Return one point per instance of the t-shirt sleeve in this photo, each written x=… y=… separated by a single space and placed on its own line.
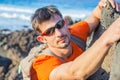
x=43 y=65
x=80 y=29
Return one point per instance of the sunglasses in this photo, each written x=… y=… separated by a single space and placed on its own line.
x=60 y=24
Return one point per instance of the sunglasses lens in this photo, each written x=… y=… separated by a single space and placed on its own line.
x=50 y=31
x=60 y=24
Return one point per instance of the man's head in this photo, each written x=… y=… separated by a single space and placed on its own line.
x=43 y=14
x=51 y=26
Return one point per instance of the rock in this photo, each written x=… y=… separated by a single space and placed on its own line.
x=15 y=46
x=23 y=41
x=115 y=73
x=5 y=62
x=12 y=74
x=109 y=15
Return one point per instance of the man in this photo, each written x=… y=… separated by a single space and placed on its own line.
x=64 y=60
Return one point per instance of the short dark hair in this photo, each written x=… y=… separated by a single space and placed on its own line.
x=43 y=14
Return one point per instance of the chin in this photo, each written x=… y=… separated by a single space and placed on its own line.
x=64 y=45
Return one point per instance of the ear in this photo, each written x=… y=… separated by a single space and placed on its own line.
x=41 y=39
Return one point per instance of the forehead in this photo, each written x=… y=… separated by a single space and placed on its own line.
x=49 y=23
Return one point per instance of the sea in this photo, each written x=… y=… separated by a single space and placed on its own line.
x=16 y=14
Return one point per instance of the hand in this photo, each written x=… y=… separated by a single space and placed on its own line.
x=118 y=6
x=114 y=4
x=102 y=3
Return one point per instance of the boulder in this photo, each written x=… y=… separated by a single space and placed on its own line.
x=110 y=66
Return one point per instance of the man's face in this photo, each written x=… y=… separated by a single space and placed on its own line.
x=55 y=33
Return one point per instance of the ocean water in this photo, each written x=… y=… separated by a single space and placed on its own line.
x=16 y=14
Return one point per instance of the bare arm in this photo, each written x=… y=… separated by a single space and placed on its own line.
x=87 y=63
x=94 y=18
x=83 y=66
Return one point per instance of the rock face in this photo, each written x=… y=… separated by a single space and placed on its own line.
x=109 y=15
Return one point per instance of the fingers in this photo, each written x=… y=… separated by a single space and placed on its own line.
x=117 y=7
x=102 y=3
x=113 y=3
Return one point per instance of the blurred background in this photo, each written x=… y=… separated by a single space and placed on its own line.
x=16 y=14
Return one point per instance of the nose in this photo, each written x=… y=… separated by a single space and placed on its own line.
x=58 y=32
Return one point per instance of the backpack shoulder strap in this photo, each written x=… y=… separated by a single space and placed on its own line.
x=25 y=64
x=79 y=42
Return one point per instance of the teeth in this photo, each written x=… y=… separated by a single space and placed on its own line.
x=63 y=45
